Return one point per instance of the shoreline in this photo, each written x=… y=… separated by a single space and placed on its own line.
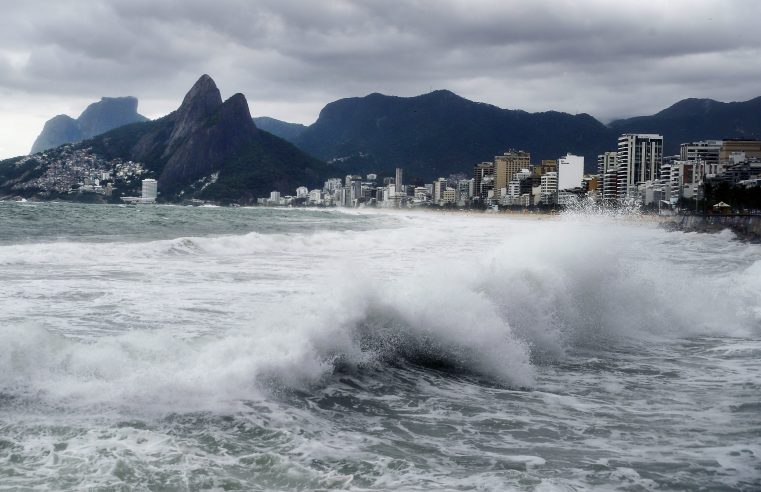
x=746 y=228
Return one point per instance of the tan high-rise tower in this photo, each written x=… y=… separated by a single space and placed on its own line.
x=506 y=166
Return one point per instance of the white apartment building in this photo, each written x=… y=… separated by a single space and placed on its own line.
x=639 y=160
x=570 y=172
x=548 y=187
x=275 y=198
x=439 y=186
x=149 y=190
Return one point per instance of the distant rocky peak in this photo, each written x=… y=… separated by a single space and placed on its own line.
x=108 y=113
x=203 y=96
x=126 y=104
x=236 y=110
x=97 y=118
x=199 y=104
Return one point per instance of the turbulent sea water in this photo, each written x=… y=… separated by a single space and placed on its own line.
x=171 y=348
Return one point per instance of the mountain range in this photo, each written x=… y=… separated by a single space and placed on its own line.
x=430 y=135
x=97 y=118
x=697 y=119
x=440 y=133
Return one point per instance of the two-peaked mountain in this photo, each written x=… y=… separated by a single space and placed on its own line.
x=215 y=143
x=208 y=148
x=97 y=118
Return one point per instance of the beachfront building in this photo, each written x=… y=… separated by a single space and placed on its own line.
x=149 y=190
x=483 y=180
x=506 y=166
x=639 y=160
x=439 y=187
x=705 y=151
x=570 y=172
x=548 y=188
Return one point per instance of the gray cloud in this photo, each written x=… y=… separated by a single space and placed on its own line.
x=609 y=59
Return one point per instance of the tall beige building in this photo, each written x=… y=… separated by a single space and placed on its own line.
x=506 y=166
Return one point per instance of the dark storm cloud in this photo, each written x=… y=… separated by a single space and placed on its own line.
x=291 y=57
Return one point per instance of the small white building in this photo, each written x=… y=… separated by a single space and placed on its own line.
x=275 y=198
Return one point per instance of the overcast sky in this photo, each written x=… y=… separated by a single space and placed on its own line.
x=603 y=57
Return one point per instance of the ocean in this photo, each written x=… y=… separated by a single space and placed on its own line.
x=179 y=348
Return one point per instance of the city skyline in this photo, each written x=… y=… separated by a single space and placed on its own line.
x=291 y=59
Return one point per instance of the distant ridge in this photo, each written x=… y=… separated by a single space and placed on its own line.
x=282 y=129
x=698 y=119
x=439 y=133
x=97 y=118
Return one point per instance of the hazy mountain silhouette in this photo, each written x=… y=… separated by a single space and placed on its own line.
x=99 y=117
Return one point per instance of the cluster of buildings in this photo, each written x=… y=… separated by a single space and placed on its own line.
x=510 y=180
x=69 y=170
x=636 y=172
x=355 y=191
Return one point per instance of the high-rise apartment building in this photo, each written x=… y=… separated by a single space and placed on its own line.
x=398 y=181
x=149 y=190
x=605 y=161
x=610 y=186
x=507 y=165
x=607 y=172
x=549 y=188
x=439 y=187
x=706 y=152
x=639 y=160
x=483 y=179
x=465 y=189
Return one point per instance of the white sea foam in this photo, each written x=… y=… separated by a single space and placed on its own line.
x=206 y=321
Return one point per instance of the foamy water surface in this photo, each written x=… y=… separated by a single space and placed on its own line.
x=182 y=348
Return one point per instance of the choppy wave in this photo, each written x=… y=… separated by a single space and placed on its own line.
x=488 y=296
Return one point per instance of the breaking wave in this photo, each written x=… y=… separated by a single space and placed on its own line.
x=210 y=322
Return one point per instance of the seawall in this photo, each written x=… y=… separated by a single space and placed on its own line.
x=746 y=226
